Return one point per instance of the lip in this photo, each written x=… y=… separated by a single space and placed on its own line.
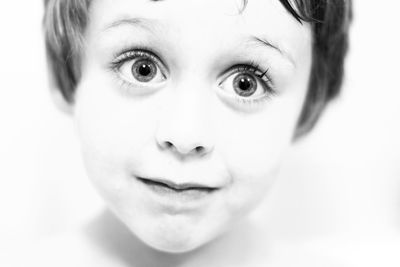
x=176 y=187
x=182 y=193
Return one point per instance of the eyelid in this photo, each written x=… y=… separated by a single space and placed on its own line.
x=251 y=68
x=135 y=52
x=130 y=86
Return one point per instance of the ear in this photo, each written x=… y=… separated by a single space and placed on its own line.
x=60 y=101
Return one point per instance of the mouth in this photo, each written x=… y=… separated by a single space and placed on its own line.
x=166 y=185
x=175 y=198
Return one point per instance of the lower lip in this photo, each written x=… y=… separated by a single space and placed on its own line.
x=181 y=196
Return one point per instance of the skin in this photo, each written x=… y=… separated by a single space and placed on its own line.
x=188 y=125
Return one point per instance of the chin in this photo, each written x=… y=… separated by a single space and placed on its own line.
x=174 y=247
x=174 y=239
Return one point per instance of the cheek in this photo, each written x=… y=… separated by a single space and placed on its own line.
x=113 y=130
x=252 y=159
x=110 y=122
x=253 y=147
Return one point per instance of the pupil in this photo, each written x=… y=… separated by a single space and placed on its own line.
x=244 y=84
x=144 y=70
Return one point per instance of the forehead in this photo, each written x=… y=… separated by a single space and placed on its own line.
x=207 y=22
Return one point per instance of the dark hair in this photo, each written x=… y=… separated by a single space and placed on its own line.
x=66 y=20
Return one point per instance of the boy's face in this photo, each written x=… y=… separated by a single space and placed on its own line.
x=185 y=109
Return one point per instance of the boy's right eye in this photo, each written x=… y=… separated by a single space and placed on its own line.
x=140 y=68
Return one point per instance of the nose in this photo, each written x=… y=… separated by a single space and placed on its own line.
x=185 y=128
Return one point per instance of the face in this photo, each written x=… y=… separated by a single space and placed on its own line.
x=185 y=109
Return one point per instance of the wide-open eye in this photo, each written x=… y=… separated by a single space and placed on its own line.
x=245 y=85
x=140 y=68
x=144 y=70
x=246 y=82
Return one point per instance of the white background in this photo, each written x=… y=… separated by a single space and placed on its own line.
x=342 y=180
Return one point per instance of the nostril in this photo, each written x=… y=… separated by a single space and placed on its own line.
x=183 y=149
x=199 y=149
x=168 y=144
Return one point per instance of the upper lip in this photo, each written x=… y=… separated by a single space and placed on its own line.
x=175 y=186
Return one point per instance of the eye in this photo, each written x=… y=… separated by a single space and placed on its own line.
x=140 y=68
x=246 y=81
x=245 y=85
x=144 y=70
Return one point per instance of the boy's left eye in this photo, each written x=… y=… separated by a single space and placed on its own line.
x=140 y=68
x=246 y=82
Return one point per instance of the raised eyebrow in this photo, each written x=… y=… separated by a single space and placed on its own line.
x=265 y=43
x=148 y=24
x=151 y=25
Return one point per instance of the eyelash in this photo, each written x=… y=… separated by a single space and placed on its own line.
x=130 y=54
x=254 y=69
x=249 y=67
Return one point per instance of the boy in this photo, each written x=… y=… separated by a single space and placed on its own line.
x=184 y=110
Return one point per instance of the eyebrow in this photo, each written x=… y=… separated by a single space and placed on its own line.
x=149 y=24
x=263 y=42
x=145 y=23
